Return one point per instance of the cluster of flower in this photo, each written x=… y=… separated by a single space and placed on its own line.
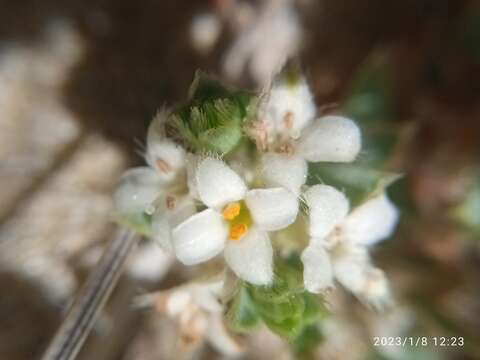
x=202 y=204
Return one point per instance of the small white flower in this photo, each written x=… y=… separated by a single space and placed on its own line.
x=271 y=35
x=140 y=187
x=205 y=30
x=290 y=136
x=237 y=221
x=197 y=308
x=346 y=238
x=160 y=189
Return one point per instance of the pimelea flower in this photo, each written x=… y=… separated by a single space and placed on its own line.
x=340 y=240
x=289 y=135
x=236 y=221
x=159 y=189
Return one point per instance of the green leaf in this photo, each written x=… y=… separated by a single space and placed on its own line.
x=314 y=308
x=357 y=181
x=369 y=100
x=369 y=103
x=306 y=342
x=242 y=315
x=141 y=223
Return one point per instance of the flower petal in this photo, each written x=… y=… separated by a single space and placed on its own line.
x=272 y=209
x=207 y=295
x=191 y=168
x=289 y=172
x=137 y=189
x=166 y=157
x=350 y=266
x=331 y=138
x=221 y=339
x=251 y=258
x=328 y=207
x=163 y=154
x=217 y=184
x=162 y=231
x=376 y=293
x=149 y=263
x=200 y=237
x=288 y=107
x=371 y=222
x=171 y=211
x=317 y=268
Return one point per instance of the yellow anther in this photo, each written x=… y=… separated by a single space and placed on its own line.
x=231 y=211
x=237 y=231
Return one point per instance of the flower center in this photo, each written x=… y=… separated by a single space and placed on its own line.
x=238 y=217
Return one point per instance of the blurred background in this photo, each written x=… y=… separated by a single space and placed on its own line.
x=81 y=79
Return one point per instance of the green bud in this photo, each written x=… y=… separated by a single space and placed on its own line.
x=212 y=120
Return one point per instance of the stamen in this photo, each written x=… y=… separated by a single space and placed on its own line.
x=288 y=119
x=163 y=165
x=170 y=202
x=237 y=231
x=231 y=211
x=285 y=148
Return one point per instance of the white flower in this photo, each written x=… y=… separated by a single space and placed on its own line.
x=271 y=35
x=237 y=221
x=197 y=308
x=205 y=29
x=159 y=189
x=290 y=135
x=339 y=243
x=139 y=187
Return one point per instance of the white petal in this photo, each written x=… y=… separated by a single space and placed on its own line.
x=221 y=340
x=328 y=207
x=377 y=290
x=317 y=268
x=371 y=222
x=200 y=237
x=156 y=129
x=149 y=263
x=137 y=189
x=177 y=301
x=272 y=209
x=350 y=266
x=251 y=258
x=289 y=172
x=191 y=167
x=289 y=107
x=163 y=154
x=331 y=138
x=171 y=211
x=217 y=184
x=162 y=231
x=207 y=295
x=167 y=158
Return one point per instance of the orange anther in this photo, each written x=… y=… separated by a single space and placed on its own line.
x=237 y=231
x=231 y=211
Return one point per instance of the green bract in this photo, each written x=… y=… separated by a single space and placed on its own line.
x=285 y=307
x=212 y=120
x=359 y=183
